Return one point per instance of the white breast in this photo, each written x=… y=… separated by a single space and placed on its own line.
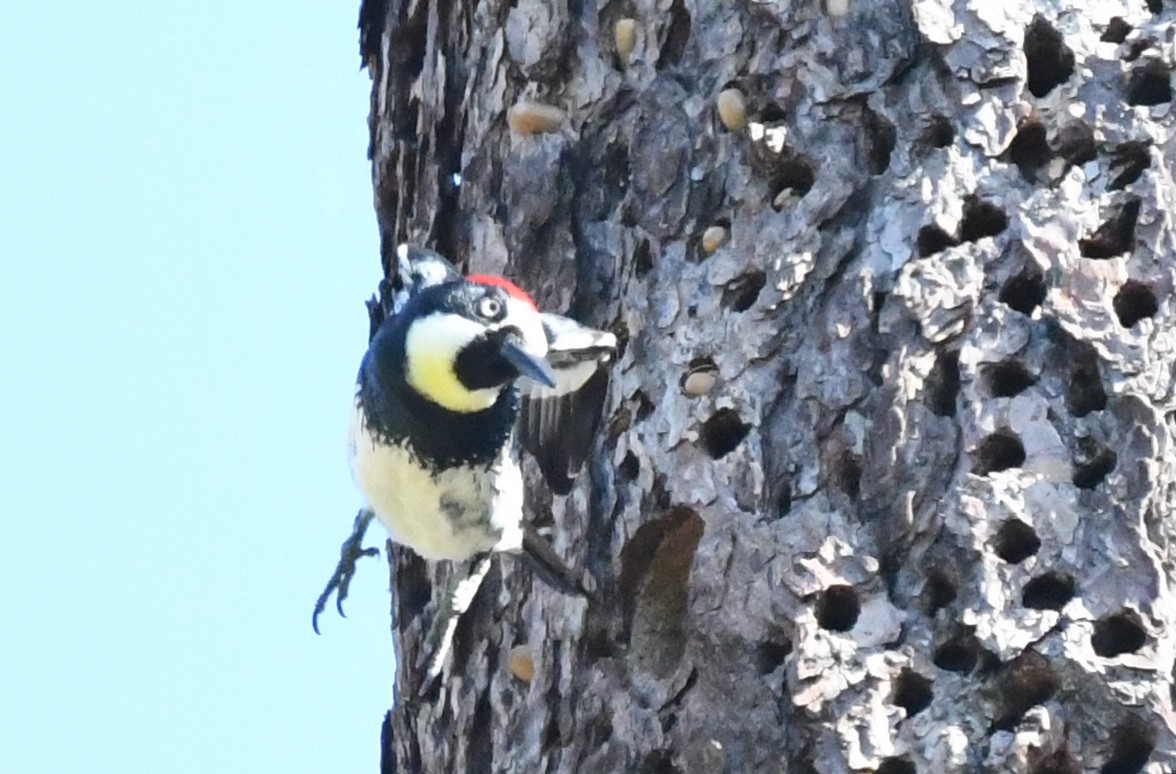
x=452 y=515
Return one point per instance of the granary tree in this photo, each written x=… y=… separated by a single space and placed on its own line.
x=885 y=480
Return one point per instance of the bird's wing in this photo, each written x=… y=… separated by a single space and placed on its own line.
x=557 y=425
x=415 y=268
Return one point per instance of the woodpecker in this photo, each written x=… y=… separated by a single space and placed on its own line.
x=459 y=375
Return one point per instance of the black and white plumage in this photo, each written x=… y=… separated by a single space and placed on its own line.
x=459 y=373
x=433 y=433
x=557 y=425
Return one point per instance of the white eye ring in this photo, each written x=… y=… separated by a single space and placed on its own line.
x=489 y=308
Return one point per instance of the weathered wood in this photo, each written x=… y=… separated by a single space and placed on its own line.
x=921 y=519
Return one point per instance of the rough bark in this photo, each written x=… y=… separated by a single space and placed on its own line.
x=921 y=520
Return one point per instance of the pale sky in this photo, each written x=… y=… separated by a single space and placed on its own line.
x=186 y=241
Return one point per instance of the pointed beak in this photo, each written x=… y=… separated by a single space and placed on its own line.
x=527 y=364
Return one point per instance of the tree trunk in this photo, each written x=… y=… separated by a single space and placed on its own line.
x=886 y=471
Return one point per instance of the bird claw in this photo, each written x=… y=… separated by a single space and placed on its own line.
x=350 y=552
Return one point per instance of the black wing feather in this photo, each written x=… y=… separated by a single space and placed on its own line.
x=559 y=431
x=558 y=426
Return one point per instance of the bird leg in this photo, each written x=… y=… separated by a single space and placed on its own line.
x=455 y=600
x=349 y=553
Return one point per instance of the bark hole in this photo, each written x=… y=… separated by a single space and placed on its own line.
x=849 y=474
x=912 y=692
x=1016 y=541
x=958 y=654
x=1150 y=84
x=880 y=139
x=932 y=239
x=1048 y=592
x=1029 y=150
x=413 y=591
x=939 y=591
x=943 y=384
x=741 y=292
x=981 y=219
x=658 y=762
x=629 y=468
x=1076 y=143
x=1133 y=742
x=784 y=500
x=997 y=452
x=1131 y=159
x=773 y=113
x=1007 y=378
x=1057 y=762
x=772 y=654
x=1084 y=389
x=1137 y=48
x=655 y=574
x=896 y=766
x=677 y=36
x=1117 y=634
x=1115 y=236
x=1093 y=463
x=938 y=134
x=1117 y=30
x=1134 y=302
x=645 y=406
x=797 y=175
x=1048 y=60
x=642 y=259
x=1024 y=292
x=723 y=432
x=838 y=608
x=1024 y=682
x=791 y=180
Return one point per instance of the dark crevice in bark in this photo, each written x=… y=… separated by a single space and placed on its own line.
x=1129 y=161
x=480 y=757
x=372 y=14
x=1132 y=744
x=1024 y=682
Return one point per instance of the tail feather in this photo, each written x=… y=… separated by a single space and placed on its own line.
x=547 y=564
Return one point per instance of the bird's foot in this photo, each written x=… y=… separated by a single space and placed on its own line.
x=349 y=553
x=456 y=599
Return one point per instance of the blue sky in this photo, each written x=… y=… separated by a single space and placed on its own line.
x=186 y=239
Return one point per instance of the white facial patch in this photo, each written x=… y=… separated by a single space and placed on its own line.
x=430 y=352
x=433 y=343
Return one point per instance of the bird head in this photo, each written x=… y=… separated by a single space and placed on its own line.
x=468 y=339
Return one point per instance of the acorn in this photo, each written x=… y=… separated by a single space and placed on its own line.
x=700 y=378
x=522 y=665
x=714 y=238
x=785 y=199
x=534 y=118
x=732 y=109
x=625 y=38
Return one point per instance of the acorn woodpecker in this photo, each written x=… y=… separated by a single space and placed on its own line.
x=461 y=372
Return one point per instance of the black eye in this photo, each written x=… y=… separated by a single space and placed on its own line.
x=489 y=308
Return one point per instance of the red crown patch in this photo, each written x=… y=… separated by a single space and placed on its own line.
x=512 y=289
